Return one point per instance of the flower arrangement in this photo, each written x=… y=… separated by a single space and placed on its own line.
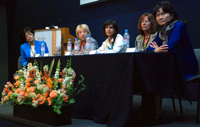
x=32 y=87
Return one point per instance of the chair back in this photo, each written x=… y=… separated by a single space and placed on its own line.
x=19 y=65
x=197 y=53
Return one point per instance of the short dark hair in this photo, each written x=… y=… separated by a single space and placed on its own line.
x=152 y=19
x=167 y=8
x=115 y=26
x=29 y=30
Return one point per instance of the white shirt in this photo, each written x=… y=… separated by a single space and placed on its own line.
x=117 y=47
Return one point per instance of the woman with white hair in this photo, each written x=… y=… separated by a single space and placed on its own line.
x=82 y=31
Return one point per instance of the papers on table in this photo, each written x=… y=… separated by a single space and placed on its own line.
x=45 y=55
x=130 y=49
x=93 y=52
x=68 y=53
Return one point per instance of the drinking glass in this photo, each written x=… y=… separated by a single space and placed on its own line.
x=58 y=50
x=138 y=45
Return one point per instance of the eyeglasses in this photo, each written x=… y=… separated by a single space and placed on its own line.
x=145 y=21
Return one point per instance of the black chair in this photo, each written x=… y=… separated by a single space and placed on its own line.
x=173 y=103
x=195 y=79
x=19 y=65
x=180 y=103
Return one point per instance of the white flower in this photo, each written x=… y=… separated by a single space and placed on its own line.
x=62 y=95
x=35 y=103
x=39 y=87
x=3 y=93
x=45 y=89
x=58 y=91
x=45 y=68
x=6 y=98
x=38 y=77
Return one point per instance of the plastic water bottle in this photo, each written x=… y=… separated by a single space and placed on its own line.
x=126 y=40
x=88 y=44
x=42 y=48
x=69 y=46
x=76 y=46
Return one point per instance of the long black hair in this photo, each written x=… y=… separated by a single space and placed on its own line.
x=167 y=8
x=115 y=26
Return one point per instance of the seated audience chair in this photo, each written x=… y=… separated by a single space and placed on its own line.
x=195 y=79
x=19 y=65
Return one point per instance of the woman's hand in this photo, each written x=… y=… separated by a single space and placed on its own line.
x=154 y=45
x=162 y=48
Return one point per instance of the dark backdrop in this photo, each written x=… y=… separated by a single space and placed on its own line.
x=67 y=13
x=4 y=45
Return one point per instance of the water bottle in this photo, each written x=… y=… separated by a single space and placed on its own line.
x=42 y=48
x=69 y=46
x=76 y=46
x=126 y=40
x=88 y=44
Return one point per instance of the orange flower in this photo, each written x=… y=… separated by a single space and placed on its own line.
x=66 y=98
x=30 y=89
x=60 y=80
x=33 y=100
x=41 y=100
x=40 y=73
x=43 y=77
x=19 y=90
x=17 y=83
x=28 y=80
x=28 y=85
x=46 y=94
x=26 y=94
x=53 y=94
x=9 y=93
x=49 y=100
x=49 y=83
x=16 y=77
x=38 y=96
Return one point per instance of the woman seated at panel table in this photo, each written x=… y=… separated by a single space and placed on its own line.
x=147 y=27
x=82 y=31
x=114 y=41
x=173 y=37
x=31 y=47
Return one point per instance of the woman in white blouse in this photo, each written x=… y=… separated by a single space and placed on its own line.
x=114 y=41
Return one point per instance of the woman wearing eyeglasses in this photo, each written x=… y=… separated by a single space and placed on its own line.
x=147 y=27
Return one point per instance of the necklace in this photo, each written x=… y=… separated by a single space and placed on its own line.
x=32 y=51
x=146 y=44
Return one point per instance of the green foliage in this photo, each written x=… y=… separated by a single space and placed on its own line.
x=51 y=67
